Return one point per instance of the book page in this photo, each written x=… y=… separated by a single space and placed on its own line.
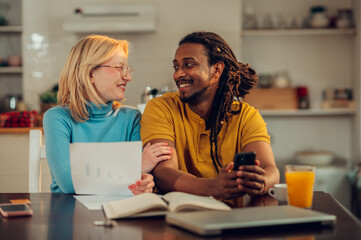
x=179 y=201
x=134 y=205
x=95 y=202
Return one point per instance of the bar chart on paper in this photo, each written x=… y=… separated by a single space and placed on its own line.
x=105 y=168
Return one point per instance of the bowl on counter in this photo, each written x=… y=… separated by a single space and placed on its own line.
x=318 y=158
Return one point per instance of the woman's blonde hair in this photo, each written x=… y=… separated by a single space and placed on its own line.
x=75 y=86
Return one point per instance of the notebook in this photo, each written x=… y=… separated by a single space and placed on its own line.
x=213 y=222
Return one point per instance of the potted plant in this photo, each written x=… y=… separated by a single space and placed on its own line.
x=48 y=99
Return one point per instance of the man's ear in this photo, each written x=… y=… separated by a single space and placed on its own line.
x=218 y=69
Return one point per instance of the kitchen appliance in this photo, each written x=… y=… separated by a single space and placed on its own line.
x=10 y=102
x=333 y=180
x=112 y=17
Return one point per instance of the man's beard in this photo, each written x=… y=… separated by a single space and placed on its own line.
x=194 y=97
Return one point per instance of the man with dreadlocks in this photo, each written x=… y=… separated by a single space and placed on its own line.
x=206 y=123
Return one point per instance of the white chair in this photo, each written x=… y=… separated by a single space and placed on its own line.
x=36 y=154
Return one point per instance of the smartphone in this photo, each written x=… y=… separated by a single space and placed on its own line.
x=15 y=209
x=244 y=158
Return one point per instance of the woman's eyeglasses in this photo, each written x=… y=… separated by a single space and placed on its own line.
x=123 y=70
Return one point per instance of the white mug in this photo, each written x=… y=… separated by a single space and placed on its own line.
x=279 y=192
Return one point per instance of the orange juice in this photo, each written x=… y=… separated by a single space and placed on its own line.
x=300 y=187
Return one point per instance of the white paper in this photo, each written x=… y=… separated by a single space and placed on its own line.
x=95 y=202
x=105 y=168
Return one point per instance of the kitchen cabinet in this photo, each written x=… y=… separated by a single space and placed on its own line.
x=318 y=59
x=14 y=152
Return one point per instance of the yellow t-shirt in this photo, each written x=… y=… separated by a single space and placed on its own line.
x=167 y=117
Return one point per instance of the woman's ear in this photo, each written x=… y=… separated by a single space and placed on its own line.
x=91 y=77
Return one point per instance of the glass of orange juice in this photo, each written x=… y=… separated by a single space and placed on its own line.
x=300 y=180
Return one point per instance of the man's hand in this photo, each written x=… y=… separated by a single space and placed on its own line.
x=226 y=185
x=251 y=179
x=155 y=153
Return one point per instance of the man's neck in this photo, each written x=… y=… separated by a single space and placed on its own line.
x=203 y=106
x=202 y=109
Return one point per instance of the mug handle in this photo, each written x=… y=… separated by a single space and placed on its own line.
x=271 y=192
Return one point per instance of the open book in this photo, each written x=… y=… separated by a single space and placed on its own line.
x=151 y=204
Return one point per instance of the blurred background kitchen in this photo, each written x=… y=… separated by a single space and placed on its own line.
x=306 y=53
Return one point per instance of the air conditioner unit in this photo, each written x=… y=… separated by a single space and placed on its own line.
x=112 y=17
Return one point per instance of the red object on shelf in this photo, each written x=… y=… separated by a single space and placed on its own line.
x=18 y=119
x=303 y=100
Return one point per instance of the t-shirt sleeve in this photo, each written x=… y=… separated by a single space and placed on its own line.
x=157 y=121
x=57 y=131
x=254 y=127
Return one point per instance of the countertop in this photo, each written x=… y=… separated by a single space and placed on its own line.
x=18 y=130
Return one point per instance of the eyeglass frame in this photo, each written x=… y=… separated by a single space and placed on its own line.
x=128 y=68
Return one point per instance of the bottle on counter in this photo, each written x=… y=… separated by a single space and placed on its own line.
x=21 y=106
x=146 y=95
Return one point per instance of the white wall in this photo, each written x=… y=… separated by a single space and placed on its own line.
x=151 y=55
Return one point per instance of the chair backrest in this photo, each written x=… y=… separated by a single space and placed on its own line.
x=36 y=154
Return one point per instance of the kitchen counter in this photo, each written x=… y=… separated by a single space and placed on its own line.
x=14 y=161
x=18 y=130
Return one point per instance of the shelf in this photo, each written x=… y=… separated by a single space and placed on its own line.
x=308 y=112
x=11 y=69
x=298 y=32
x=11 y=29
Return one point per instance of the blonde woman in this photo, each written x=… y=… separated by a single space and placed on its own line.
x=93 y=79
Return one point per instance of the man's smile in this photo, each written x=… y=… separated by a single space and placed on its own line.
x=183 y=84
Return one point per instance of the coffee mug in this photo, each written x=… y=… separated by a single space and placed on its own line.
x=279 y=192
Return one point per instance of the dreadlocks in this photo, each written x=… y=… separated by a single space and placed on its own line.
x=235 y=82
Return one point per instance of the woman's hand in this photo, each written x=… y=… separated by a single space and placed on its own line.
x=155 y=153
x=143 y=186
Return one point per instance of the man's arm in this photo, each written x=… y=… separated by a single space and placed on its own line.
x=169 y=178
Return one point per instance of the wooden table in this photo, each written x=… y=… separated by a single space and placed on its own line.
x=60 y=216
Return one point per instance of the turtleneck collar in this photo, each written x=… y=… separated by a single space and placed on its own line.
x=103 y=111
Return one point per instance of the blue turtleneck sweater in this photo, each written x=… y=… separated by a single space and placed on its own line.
x=104 y=125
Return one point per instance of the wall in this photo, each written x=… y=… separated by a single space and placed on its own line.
x=46 y=46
